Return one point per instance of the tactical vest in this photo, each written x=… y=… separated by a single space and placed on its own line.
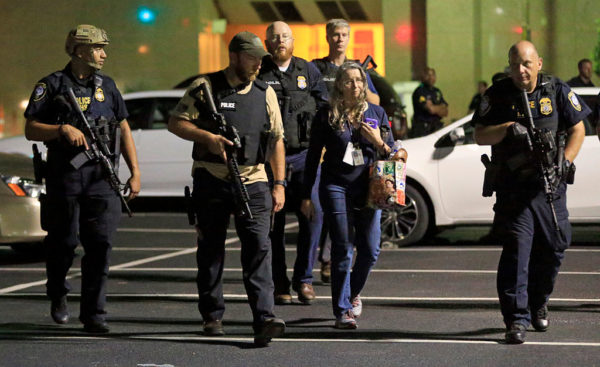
x=246 y=112
x=328 y=71
x=99 y=114
x=515 y=160
x=297 y=105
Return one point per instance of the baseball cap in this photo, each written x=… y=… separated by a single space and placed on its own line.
x=247 y=42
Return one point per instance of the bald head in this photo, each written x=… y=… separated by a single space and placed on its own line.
x=525 y=64
x=280 y=42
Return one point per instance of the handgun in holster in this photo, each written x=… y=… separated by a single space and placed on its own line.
x=189 y=206
x=491 y=176
x=40 y=170
x=39 y=165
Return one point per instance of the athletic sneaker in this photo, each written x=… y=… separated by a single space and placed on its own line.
x=356 y=306
x=346 y=321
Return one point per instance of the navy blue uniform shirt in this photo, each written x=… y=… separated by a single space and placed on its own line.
x=335 y=142
x=105 y=100
x=317 y=87
x=420 y=97
x=332 y=69
x=502 y=102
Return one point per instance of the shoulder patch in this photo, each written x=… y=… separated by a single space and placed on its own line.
x=574 y=101
x=39 y=91
x=484 y=105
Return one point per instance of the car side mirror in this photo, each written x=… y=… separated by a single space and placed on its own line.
x=457 y=136
x=454 y=137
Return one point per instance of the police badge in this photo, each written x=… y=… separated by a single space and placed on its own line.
x=301 y=81
x=99 y=95
x=545 y=106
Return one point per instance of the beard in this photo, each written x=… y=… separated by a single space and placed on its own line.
x=245 y=75
x=282 y=53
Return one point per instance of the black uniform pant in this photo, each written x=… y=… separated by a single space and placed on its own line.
x=532 y=250
x=214 y=201
x=309 y=231
x=80 y=207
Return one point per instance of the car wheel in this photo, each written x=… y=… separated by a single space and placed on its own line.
x=406 y=224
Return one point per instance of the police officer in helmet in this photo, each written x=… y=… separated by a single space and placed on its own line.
x=531 y=218
x=300 y=92
x=80 y=205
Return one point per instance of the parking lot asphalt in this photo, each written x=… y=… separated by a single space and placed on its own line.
x=432 y=304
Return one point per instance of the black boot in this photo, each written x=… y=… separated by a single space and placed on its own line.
x=59 y=311
x=539 y=318
x=515 y=334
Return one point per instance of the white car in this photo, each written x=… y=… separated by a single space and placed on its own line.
x=445 y=179
x=165 y=160
x=444 y=171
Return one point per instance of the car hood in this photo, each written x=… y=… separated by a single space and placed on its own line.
x=16 y=165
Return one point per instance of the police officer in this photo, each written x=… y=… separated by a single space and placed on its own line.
x=251 y=107
x=429 y=105
x=533 y=242
x=300 y=91
x=80 y=205
x=338 y=38
x=584 y=78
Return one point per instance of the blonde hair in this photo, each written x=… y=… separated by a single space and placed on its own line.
x=338 y=113
x=332 y=24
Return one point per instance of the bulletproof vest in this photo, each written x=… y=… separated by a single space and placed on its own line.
x=328 y=71
x=246 y=112
x=98 y=112
x=297 y=105
x=516 y=159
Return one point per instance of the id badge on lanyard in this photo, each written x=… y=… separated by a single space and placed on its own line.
x=353 y=154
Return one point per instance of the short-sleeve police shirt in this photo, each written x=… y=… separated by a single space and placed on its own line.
x=502 y=102
x=106 y=98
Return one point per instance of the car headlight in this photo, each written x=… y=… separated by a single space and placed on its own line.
x=24 y=186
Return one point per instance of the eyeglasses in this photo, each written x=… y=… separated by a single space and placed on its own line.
x=280 y=37
x=349 y=82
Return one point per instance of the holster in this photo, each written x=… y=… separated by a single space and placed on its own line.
x=491 y=176
x=45 y=212
x=189 y=206
x=39 y=165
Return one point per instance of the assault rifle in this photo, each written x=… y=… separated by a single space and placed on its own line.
x=365 y=64
x=98 y=151
x=230 y=133
x=542 y=146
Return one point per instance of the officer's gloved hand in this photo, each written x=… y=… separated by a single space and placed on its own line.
x=516 y=134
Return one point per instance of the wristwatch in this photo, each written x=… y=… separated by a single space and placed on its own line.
x=280 y=182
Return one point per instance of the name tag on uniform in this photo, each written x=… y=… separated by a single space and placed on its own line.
x=230 y=106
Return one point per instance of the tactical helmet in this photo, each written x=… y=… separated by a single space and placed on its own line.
x=85 y=34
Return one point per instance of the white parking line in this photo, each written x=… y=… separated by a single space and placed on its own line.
x=291 y=225
x=233 y=296
x=239 y=270
x=316 y=340
x=19 y=287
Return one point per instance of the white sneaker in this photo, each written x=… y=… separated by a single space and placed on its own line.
x=346 y=321
x=356 y=306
